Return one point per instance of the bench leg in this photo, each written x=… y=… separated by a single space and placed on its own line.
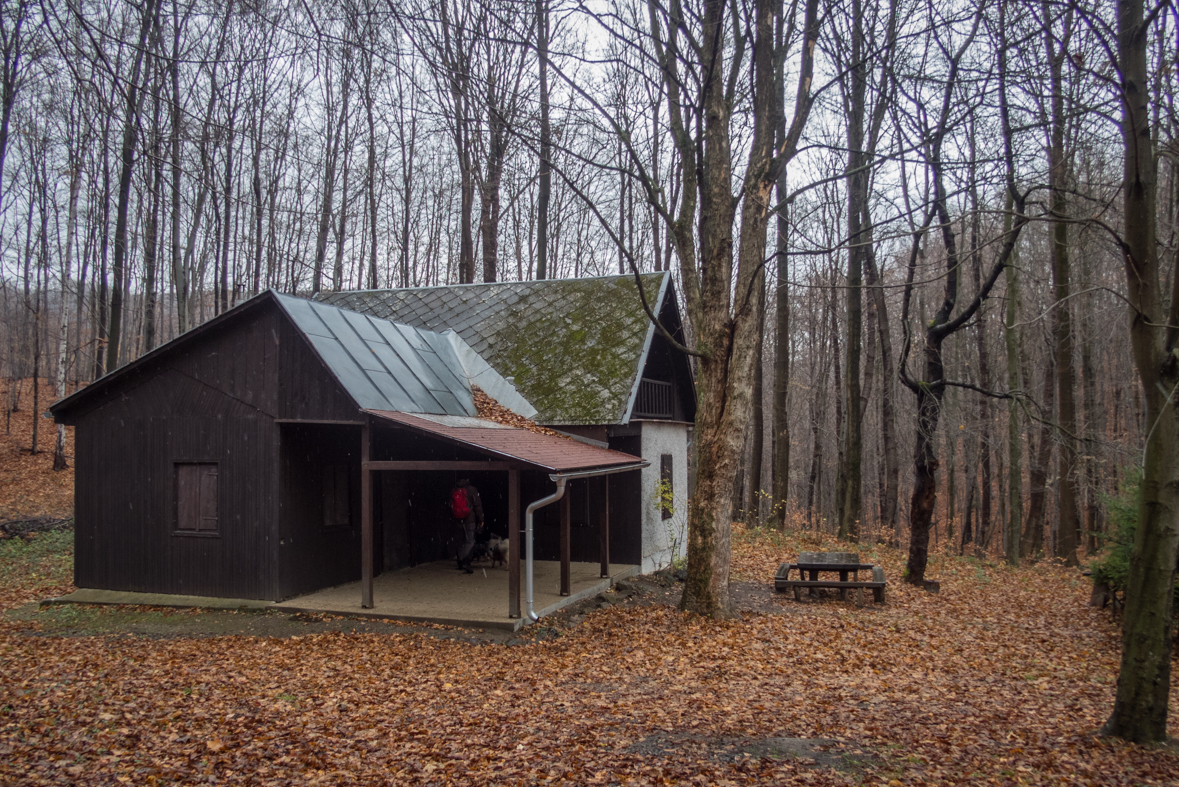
x=859 y=597
x=879 y=594
x=797 y=594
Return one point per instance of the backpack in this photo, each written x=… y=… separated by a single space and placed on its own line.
x=458 y=503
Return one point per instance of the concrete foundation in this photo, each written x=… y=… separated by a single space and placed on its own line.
x=429 y=593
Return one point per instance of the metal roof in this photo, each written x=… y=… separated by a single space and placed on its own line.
x=574 y=347
x=556 y=454
x=380 y=364
x=383 y=365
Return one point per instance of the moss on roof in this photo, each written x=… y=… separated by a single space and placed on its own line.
x=574 y=346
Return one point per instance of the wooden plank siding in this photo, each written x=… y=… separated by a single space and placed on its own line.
x=215 y=400
x=126 y=537
x=311 y=555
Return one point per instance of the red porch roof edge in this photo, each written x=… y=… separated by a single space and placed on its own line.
x=557 y=454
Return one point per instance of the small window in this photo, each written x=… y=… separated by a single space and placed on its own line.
x=196 y=498
x=336 y=507
x=667 y=485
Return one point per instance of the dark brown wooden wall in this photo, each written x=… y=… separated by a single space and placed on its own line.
x=125 y=513
x=213 y=398
x=312 y=556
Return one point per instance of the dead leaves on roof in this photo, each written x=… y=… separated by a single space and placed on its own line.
x=489 y=408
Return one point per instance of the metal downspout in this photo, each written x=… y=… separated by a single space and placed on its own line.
x=532 y=507
x=560 y=479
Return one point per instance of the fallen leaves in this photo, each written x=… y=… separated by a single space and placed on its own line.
x=1002 y=678
x=486 y=407
x=29 y=487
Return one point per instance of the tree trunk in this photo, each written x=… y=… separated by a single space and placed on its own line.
x=1033 y=538
x=1011 y=543
x=1069 y=519
x=179 y=272
x=59 y=455
x=757 y=427
x=546 y=148
x=891 y=469
x=984 y=381
x=1144 y=678
x=851 y=458
x=131 y=123
x=13 y=43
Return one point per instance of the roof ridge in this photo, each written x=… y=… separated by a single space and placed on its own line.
x=474 y=284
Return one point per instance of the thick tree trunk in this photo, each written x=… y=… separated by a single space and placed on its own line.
x=1144 y=679
x=729 y=338
x=1068 y=515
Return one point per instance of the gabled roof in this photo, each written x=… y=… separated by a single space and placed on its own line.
x=575 y=348
x=380 y=365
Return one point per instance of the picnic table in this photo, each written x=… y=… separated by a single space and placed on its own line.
x=845 y=564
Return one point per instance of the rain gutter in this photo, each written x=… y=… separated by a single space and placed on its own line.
x=560 y=479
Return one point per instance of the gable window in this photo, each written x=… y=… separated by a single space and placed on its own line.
x=666 y=486
x=196 y=498
x=336 y=502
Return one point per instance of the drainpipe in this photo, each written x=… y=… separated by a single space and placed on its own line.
x=544 y=501
x=560 y=479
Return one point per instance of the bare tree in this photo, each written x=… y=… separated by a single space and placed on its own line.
x=1144 y=678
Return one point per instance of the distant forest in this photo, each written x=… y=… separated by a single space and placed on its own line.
x=160 y=162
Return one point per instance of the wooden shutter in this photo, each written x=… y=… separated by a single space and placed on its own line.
x=196 y=498
x=665 y=476
x=208 y=492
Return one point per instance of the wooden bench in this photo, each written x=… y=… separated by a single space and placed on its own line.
x=844 y=563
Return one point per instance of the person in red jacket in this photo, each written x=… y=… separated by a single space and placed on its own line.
x=467 y=510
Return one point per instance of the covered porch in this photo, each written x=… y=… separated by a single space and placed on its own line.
x=436 y=593
x=402 y=447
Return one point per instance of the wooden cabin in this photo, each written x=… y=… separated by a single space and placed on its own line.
x=288 y=445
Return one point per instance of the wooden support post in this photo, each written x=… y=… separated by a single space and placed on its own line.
x=366 y=522
x=600 y=494
x=565 y=517
x=513 y=543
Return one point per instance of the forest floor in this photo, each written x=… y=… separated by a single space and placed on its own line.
x=29 y=488
x=1003 y=677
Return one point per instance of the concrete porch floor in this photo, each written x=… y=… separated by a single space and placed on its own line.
x=439 y=593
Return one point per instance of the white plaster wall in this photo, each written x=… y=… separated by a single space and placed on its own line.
x=661 y=536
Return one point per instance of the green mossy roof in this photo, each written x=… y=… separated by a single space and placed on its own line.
x=574 y=346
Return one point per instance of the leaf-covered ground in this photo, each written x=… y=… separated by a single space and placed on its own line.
x=1002 y=678
x=28 y=485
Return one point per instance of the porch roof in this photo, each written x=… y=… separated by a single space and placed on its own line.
x=555 y=454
